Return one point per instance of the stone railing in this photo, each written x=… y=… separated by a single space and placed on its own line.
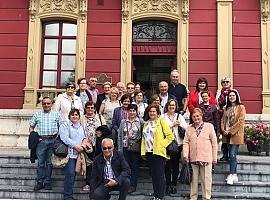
x=52 y=93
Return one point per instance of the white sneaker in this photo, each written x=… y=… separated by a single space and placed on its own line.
x=235 y=178
x=230 y=180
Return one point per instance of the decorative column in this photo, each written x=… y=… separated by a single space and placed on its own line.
x=224 y=38
x=265 y=40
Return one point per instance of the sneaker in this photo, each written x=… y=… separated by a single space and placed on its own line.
x=86 y=188
x=235 y=178
x=47 y=186
x=230 y=179
x=38 y=186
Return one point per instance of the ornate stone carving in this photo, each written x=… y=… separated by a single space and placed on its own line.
x=185 y=10
x=32 y=9
x=265 y=10
x=83 y=10
x=155 y=5
x=125 y=9
x=59 y=5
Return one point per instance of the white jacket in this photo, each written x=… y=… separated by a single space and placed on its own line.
x=63 y=105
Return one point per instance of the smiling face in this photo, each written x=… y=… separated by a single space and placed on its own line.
x=92 y=82
x=130 y=88
x=232 y=97
x=83 y=85
x=132 y=113
x=174 y=77
x=172 y=107
x=197 y=118
x=107 y=88
x=70 y=90
x=139 y=97
x=202 y=86
x=107 y=148
x=225 y=84
x=126 y=102
x=205 y=97
x=90 y=110
x=153 y=114
x=163 y=87
x=74 y=117
x=47 y=104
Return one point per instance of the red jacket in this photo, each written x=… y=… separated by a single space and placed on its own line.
x=193 y=100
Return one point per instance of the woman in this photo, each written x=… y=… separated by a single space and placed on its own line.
x=200 y=149
x=157 y=135
x=129 y=140
x=210 y=111
x=195 y=96
x=108 y=105
x=172 y=166
x=121 y=88
x=82 y=92
x=232 y=126
x=67 y=101
x=138 y=96
x=72 y=134
x=91 y=121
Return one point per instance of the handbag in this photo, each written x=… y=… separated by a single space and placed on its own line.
x=60 y=149
x=59 y=162
x=181 y=131
x=186 y=174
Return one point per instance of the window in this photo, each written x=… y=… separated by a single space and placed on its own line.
x=58 y=56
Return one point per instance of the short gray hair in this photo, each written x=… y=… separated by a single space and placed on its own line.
x=106 y=140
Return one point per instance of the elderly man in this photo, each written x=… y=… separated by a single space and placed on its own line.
x=47 y=123
x=179 y=91
x=110 y=172
x=164 y=95
x=92 y=88
x=131 y=89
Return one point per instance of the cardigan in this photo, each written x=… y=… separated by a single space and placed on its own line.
x=203 y=147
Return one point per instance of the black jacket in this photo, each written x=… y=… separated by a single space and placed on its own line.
x=119 y=165
x=33 y=140
x=87 y=93
x=100 y=98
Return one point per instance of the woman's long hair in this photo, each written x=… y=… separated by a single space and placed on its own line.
x=200 y=80
x=237 y=102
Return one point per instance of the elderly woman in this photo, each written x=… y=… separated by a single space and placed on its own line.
x=121 y=88
x=195 y=96
x=72 y=134
x=129 y=140
x=232 y=126
x=91 y=121
x=157 y=135
x=172 y=166
x=108 y=105
x=138 y=96
x=82 y=92
x=200 y=149
x=67 y=101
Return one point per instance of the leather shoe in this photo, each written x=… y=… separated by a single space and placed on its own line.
x=38 y=186
x=173 y=190
x=168 y=190
x=48 y=186
x=224 y=158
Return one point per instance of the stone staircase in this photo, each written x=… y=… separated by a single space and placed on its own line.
x=17 y=179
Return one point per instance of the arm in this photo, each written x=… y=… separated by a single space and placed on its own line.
x=57 y=104
x=101 y=109
x=186 y=147
x=120 y=135
x=190 y=101
x=213 y=140
x=32 y=123
x=216 y=120
x=94 y=176
x=183 y=122
x=64 y=135
x=212 y=99
x=222 y=123
x=239 y=124
x=185 y=104
x=115 y=118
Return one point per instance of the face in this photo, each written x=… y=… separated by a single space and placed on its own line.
x=121 y=88
x=107 y=89
x=90 y=110
x=130 y=89
x=172 y=106
x=70 y=90
x=205 y=97
x=137 y=88
x=107 y=149
x=126 y=102
x=83 y=85
x=93 y=82
x=74 y=117
x=132 y=113
x=201 y=85
x=163 y=87
x=232 y=97
x=156 y=102
x=174 y=78
x=139 y=98
x=197 y=118
x=114 y=95
x=153 y=115
x=46 y=105
x=226 y=84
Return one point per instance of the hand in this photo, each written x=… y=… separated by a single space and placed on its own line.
x=225 y=133
x=176 y=123
x=214 y=162
x=111 y=183
x=78 y=148
x=185 y=160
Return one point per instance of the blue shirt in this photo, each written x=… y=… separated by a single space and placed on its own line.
x=46 y=123
x=71 y=135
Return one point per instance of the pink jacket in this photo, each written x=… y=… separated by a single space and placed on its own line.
x=202 y=148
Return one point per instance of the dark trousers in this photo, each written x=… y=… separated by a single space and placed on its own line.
x=89 y=168
x=225 y=150
x=133 y=159
x=102 y=192
x=157 y=167
x=172 y=169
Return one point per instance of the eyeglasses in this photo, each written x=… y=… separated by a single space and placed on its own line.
x=130 y=87
x=72 y=87
x=90 y=107
x=106 y=148
x=225 y=81
x=46 y=104
x=83 y=83
x=93 y=80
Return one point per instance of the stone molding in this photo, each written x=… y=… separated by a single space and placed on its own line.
x=45 y=10
x=138 y=10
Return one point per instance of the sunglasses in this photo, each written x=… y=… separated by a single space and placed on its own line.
x=225 y=81
x=130 y=87
x=46 y=103
x=106 y=148
x=93 y=80
x=90 y=107
x=72 y=87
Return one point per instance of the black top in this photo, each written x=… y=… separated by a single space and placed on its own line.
x=100 y=98
x=180 y=92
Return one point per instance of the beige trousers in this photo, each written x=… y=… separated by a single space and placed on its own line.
x=205 y=173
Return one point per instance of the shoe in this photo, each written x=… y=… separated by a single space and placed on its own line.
x=168 y=191
x=47 y=186
x=131 y=189
x=224 y=158
x=38 y=187
x=230 y=179
x=235 y=178
x=173 y=190
x=86 y=188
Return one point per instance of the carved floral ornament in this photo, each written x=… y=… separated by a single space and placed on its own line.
x=265 y=10
x=75 y=7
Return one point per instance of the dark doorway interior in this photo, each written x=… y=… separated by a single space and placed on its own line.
x=150 y=70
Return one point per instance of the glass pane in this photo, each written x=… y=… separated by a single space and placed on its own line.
x=52 y=29
x=67 y=77
x=69 y=46
x=51 y=46
x=50 y=62
x=69 y=29
x=68 y=62
x=49 y=79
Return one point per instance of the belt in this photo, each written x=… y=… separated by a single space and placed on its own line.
x=47 y=137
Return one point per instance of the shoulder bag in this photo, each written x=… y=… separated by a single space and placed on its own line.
x=181 y=131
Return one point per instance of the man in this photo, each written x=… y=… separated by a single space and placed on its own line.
x=106 y=88
x=164 y=95
x=110 y=172
x=92 y=88
x=47 y=123
x=179 y=91
x=131 y=89
x=121 y=88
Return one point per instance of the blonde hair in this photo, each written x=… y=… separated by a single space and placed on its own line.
x=114 y=89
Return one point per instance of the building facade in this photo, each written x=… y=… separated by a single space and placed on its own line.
x=44 y=43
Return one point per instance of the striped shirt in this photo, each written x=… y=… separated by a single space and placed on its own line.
x=46 y=123
x=108 y=172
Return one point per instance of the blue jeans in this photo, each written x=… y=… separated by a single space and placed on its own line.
x=233 y=151
x=44 y=153
x=133 y=159
x=69 y=179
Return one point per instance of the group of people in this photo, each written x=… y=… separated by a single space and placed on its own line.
x=122 y=126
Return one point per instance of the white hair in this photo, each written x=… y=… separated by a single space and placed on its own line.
x=174 y=71
x=106 y=140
